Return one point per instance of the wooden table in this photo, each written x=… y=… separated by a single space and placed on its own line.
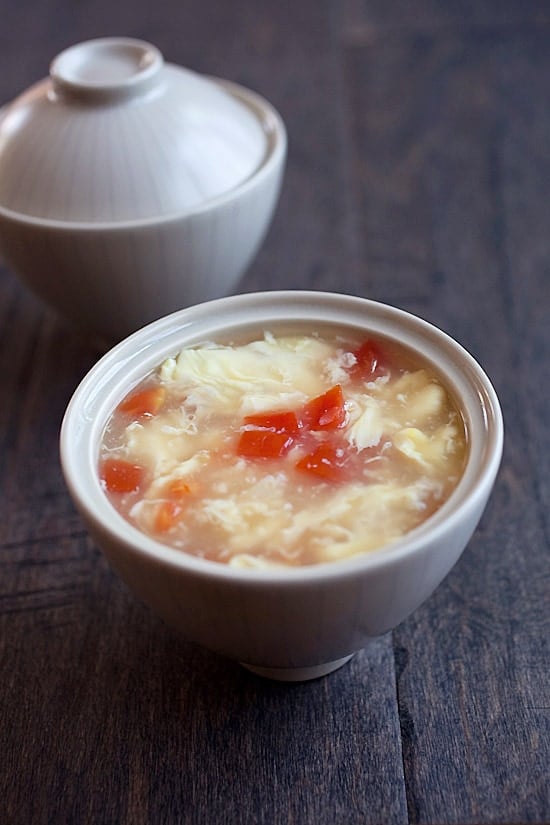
x=418 y=174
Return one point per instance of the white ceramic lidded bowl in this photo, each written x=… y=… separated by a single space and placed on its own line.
x=285 y=624
x=130 y=187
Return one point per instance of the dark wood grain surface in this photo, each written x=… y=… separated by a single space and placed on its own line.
x=419 y=175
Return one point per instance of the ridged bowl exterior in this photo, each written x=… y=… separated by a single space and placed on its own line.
x=108 y=278
x=112 y=280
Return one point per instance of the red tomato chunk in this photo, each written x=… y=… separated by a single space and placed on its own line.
x=120 y=476
x=263 y=444
x=326 y=462
x=143 y=402
x=371 y=362
x=279 y=422
x=272 y=434
x=168 y=514
x=326 y=412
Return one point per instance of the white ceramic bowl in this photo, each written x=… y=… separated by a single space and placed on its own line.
x=130 y=187
x=285 y=624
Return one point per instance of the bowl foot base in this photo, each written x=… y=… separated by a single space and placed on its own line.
x=297 y=674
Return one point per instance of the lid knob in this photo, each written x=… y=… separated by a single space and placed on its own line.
x=106 y=69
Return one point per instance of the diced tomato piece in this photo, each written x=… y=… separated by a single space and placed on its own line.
x=271 y=436
x=170 y=511
x=120 y=476
x=263 y=444
x=279 y=422
x=326 y=412
x=177 y=488
x=326 y=462
x=167 y=515
x=371 y=361
x=143 y=402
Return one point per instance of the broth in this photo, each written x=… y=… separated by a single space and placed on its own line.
x=290 y=449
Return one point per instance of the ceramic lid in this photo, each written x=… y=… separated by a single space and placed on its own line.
x=116 y=134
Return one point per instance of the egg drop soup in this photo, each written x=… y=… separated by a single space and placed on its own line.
x=286 y=450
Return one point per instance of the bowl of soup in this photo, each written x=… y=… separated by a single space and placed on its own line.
x=283 y=476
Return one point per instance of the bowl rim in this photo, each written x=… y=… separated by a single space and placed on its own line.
x=122 y=366
x=276 y=147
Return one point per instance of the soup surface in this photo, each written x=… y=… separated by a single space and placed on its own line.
x=283 y=450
